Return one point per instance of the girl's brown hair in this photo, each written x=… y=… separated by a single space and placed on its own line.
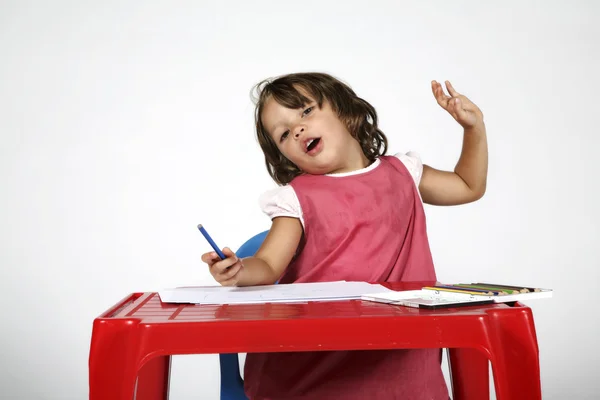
x=357 y=114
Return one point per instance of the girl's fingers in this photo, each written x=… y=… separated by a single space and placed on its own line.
x=438 y=93
x=231 y=272
x=220 y=266
x=210 y=258
x=457 y=105
x=213 y=257
x=229 y=277
x=230 y=282
x=451 y=90
x=227 y=251
x=457 y=109
x=434 y=88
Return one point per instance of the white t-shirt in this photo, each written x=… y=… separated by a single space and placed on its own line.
x=283 y=202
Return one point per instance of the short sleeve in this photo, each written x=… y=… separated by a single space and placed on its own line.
x=412 y=162
x=281 y=202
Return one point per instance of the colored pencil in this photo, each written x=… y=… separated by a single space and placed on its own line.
x=211 y=242
x=522 y=289
x=508 y=291
x=441 y=289
x=496 y=290
x=481 y=291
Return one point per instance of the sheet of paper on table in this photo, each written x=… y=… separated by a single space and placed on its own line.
x=284 y=293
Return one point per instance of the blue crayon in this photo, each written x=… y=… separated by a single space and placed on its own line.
x=211 y=242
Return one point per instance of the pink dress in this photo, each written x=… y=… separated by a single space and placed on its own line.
x=365 y=227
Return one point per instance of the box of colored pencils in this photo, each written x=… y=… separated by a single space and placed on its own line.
x=499 y=293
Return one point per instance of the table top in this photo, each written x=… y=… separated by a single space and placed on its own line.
x=148 y=308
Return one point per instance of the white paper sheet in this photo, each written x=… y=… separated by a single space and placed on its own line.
x=295 y=292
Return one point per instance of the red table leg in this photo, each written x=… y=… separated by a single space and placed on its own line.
x=113 y=359
x=515 y=355
x=470 y=374
x=153 y=379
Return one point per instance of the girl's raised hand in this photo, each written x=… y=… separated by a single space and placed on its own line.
x=463 y=110
x=226 y=271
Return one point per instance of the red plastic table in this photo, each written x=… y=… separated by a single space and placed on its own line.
x=132 y=342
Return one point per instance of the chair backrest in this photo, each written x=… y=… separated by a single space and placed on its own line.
x=232 y=385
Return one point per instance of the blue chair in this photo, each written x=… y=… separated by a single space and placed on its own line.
x=232 y=385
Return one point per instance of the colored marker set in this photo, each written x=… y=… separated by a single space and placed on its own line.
x=497 y=292
x=486 y=289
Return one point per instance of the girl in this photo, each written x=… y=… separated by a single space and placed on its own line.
x=346 y=211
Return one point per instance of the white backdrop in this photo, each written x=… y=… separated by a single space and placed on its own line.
x=125 y=124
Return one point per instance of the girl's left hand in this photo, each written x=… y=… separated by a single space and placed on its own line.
x=463 y=110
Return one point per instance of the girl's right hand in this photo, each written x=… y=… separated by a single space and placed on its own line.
x=226 y=271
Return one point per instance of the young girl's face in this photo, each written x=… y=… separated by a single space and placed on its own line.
x=313 y=138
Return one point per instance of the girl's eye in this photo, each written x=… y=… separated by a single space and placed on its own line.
x=284 y=135
x=307 y=111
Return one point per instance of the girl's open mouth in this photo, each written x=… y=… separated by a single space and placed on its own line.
x=312 y=144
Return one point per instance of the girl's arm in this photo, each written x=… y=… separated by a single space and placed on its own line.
x=274 y=255
x=269 y=262
x=468 y=181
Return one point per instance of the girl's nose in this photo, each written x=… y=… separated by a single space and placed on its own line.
x=298 y=132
